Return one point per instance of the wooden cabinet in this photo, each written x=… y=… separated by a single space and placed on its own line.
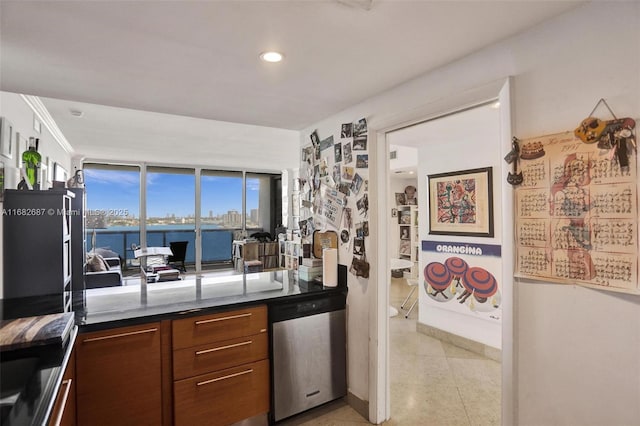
x=119 y=380
x=64 y=408
x=221 y=367
x=194 y=331
x=223 y=397
x=211 y=369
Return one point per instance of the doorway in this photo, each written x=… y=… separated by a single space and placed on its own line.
x=439 y=369
x=381 y=370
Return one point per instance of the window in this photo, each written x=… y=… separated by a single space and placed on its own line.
x=112 y=207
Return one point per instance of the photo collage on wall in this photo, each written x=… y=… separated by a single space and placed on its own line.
x=334 y=190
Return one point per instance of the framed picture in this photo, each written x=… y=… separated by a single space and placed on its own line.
x=21 y=144
x=37 y=125
x=59 y=173
x=44 y=175
x=405 y=233
x=6 y=138
x=461 y=203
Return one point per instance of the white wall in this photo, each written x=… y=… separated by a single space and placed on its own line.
x=14 y=108
x=357 y=301
x=577 y=355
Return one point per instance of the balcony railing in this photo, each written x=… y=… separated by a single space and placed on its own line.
x=216 y=243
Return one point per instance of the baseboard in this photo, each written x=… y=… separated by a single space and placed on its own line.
x=463 y=342
x=359 y=405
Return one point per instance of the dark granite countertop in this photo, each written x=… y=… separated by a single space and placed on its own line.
x=111 y=307
x=41 y=368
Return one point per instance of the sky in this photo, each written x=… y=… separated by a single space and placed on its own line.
x=166 y=193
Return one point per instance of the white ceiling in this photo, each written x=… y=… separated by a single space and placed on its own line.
x=200 y=59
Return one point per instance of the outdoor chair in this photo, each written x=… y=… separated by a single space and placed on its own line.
x=179 y=250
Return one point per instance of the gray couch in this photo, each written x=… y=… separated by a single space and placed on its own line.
x=110 y=278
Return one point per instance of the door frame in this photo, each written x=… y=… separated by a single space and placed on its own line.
x=379 y=384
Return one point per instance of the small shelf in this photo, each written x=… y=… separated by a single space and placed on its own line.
x=408 y=233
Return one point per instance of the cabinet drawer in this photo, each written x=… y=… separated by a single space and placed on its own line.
x=220 y=355
x=223 y=397
x=218 y=327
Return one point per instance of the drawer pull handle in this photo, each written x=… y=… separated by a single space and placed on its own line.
x=229 y=376
x=67 y=384
x=223 y=318
x=221 y=348
x=115 y=336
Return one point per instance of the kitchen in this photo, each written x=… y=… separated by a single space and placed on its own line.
x=549 y=95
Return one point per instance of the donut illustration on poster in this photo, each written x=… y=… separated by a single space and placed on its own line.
x=463 y=277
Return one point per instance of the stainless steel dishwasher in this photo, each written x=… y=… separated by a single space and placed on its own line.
x=308 y=353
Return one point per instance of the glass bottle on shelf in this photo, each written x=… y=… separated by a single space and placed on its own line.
x=31 y=161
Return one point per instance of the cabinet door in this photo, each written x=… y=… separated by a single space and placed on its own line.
x=223 y=397
x=119 y=376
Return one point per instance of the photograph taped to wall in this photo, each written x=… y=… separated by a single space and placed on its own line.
x=308 y=155
x=336 y=175
x=347 y=173
x=360 y=143
x=346 y=130
x=337 y=152
x=346 y=153
x=333 y=203
x=577 y=215
x=326 y=143
x=362 y=161
x=356 y=184
x=360 y=127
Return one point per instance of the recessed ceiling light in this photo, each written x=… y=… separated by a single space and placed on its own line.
x=495 y=105
x=271 y=56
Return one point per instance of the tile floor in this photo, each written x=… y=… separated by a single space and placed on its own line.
x=432 y=382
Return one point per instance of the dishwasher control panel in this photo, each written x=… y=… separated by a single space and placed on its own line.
x=316 y=305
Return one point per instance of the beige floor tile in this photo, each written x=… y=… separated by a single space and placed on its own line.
x=421 y=370
x=453 y=351
x=346 y=413
x=412 y=343
x=482 y=404
x=400 y=324
x=415 y=404
x=476 y=372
